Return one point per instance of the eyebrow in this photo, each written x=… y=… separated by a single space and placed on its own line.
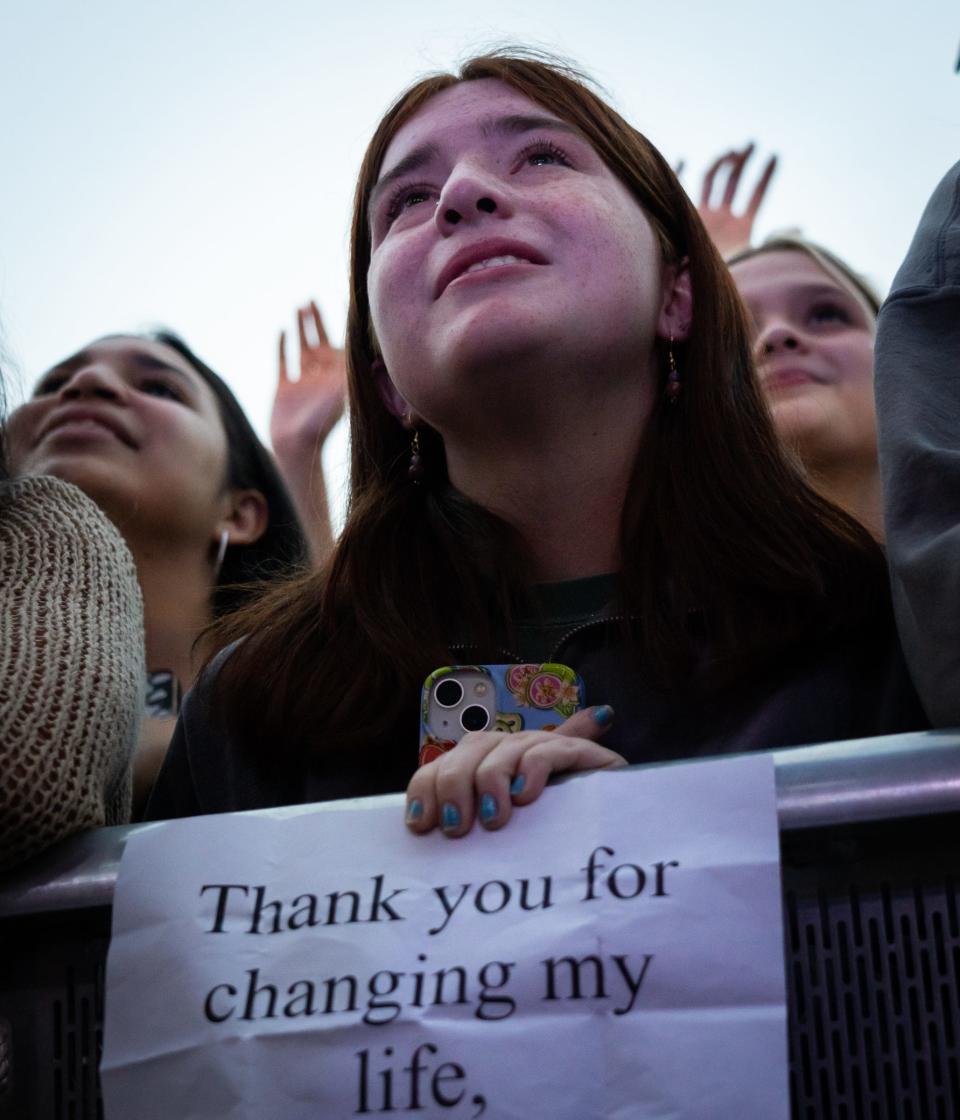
x=513 y=125
x=816 y=288
x=67 y=363
x=418 y=158
x=518 y=123
x=811 y=289
x=833 y=289
x=150 y=364
x=145 y=362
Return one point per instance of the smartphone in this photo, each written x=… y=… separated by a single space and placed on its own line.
x=459 y=698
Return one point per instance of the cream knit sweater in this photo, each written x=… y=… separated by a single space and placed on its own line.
x=71 y=667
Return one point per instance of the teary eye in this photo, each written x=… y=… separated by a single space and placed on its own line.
x=405 y=198
x=543 y=153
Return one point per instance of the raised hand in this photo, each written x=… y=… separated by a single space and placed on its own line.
x=732 y=232
x=305 y=410
x=489 y=772
x=304 y=413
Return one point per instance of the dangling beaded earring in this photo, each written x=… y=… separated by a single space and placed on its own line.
x=416 y=470
x=673 y=376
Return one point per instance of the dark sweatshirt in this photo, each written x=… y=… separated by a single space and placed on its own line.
x=918 y=412
x=851 y=686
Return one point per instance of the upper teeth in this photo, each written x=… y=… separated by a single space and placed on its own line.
x=492 y=262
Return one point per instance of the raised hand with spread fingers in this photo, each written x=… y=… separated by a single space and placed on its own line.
x=732 y=232
x=304 y=413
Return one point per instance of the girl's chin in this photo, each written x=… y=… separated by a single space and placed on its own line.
x=498 y=345
x=807 y=427
x=98 y=479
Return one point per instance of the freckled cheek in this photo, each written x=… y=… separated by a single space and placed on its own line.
x=376 y=296
x=621 y=250
x=394 y=307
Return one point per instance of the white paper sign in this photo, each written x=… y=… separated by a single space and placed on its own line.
x=615 y=951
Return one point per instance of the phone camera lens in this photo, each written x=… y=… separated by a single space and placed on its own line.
x=448 y=693
x=474 y=718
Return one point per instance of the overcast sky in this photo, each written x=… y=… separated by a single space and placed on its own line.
x=191 y=162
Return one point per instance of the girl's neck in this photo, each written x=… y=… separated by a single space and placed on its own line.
x=562 y=490
x=177 y=590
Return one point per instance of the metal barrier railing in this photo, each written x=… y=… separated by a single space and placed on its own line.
x=870 y=836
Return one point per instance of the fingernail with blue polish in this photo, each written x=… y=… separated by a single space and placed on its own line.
x=450 y=817
x=516 y=786
x=603 y=715
x=414 y=811
x=488 y=807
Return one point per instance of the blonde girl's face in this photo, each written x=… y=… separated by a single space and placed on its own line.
x=813 y=339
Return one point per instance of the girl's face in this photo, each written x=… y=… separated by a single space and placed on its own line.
x=501 y=242
x=814 y=346
x=135 y=426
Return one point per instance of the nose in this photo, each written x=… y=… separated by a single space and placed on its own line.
x=470 y=195
x=777 y=338
x=94 y=380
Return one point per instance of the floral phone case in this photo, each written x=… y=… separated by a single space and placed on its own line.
x=461 y=698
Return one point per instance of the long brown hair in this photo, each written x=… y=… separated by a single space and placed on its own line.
x=717 y=520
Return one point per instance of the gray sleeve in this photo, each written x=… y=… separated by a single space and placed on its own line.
x=918 y=416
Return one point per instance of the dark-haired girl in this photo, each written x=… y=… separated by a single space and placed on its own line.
x=160 y=443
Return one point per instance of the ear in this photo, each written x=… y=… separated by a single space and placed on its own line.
x=676 y=311
x=245 y=519
x=393 y=400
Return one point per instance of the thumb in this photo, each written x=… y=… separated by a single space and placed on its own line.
x=589 y=723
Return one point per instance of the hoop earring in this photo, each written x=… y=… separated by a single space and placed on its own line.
x=221 y=552
x=674 y=384
x=416 y=471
